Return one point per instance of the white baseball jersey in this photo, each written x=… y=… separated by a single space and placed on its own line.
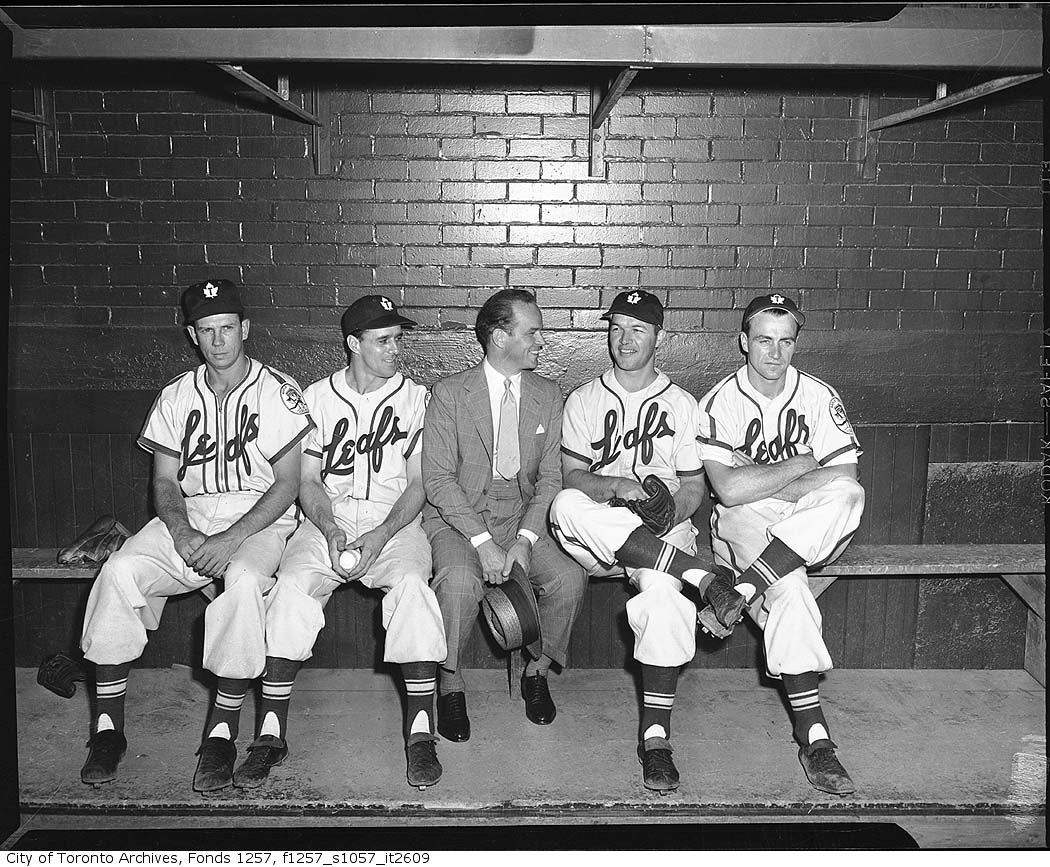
x=633 y=434
x=364 y=441
x=808 y=412
x=227 y=445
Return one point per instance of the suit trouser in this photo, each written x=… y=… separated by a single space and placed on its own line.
x=129 y=594
x=306 y=581
x=818 y=528
x=459 y=581
x=661 y=617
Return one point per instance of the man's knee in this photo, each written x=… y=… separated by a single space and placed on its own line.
x=849 y=491
x=569 y=507
x=243 y=577
x=452 y=582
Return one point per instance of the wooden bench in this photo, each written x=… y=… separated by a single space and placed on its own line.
x=1022 y=567
x=41 y=564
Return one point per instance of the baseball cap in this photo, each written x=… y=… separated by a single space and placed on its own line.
x=776 y=301
x=640 y=304
x=209 y=298
x=372 y=311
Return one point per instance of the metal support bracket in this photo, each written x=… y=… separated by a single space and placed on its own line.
x=279 y=96
x=45 y=135
x=321 y=133
x=601 y=108
x=943 y=101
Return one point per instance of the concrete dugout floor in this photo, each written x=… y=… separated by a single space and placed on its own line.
x=956 y=758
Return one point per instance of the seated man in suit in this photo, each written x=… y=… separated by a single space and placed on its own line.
x=490 y=471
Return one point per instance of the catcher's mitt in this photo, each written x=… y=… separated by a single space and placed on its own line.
x=59 y=674
x=656 y=511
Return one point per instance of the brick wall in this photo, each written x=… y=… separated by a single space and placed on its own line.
x=449 y=184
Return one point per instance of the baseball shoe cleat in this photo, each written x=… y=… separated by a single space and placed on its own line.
x=424 y=769
x=824 y=770
x=215 y=768
x=658 y=771
x=265 y=752
x=107 y=748
x=709 y=624
x=725 y=604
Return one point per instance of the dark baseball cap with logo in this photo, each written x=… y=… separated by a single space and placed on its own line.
x=640 y=304
x=776 y=301
x=372 y=311
x=209 y=298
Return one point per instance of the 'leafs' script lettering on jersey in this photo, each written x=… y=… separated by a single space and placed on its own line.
x=203 y=450
x=339 y=454
x=653 y=427
x=784 y=446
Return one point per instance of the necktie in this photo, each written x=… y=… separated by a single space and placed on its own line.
x=508 y=459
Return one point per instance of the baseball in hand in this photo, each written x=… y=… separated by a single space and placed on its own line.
x=349 y=558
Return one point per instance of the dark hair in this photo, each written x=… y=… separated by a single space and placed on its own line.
x=776 y=312
x=498 y=312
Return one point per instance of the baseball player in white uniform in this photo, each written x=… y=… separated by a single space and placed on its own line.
x=225 y=440
x=782 y=459
x=362 y=492
x=629 y=423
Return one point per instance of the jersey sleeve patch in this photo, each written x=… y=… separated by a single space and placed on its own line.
x=838 y=415
x=293 y=400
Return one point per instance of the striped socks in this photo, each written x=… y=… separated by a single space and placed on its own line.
x=420 y=686
x=807 y=715
x=278 y=680
x=225 y=716
x=643 y=550
x=659 y=685
x=776 y=561
x=111 y=688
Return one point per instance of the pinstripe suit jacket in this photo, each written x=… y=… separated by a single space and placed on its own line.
x=457 y=451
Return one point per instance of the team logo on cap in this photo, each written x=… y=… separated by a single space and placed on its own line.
x=294 y=400
x=210 y=290
x=838 y=415
x=777 y=299
x=386 y=303
x=634 y=298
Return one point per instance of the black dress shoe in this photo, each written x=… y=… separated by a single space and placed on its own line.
x=453 y=723
x=539 y=706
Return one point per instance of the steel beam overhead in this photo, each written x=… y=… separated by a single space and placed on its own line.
x=927 y=37
x=968 y=95
x=268 y=92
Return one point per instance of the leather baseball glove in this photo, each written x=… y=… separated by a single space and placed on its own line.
x=656 y=511
x=59 y=673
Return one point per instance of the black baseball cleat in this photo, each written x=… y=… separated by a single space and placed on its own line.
x=725 y=608
x=265 y=752
x=658 y=771
x=215 y=768
x=424 y=769
x=824 y=770
x=107 y=748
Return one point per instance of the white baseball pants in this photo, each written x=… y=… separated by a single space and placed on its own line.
x=662 y=619
x=129 y=594
x=306 y=581
x=818 y=528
